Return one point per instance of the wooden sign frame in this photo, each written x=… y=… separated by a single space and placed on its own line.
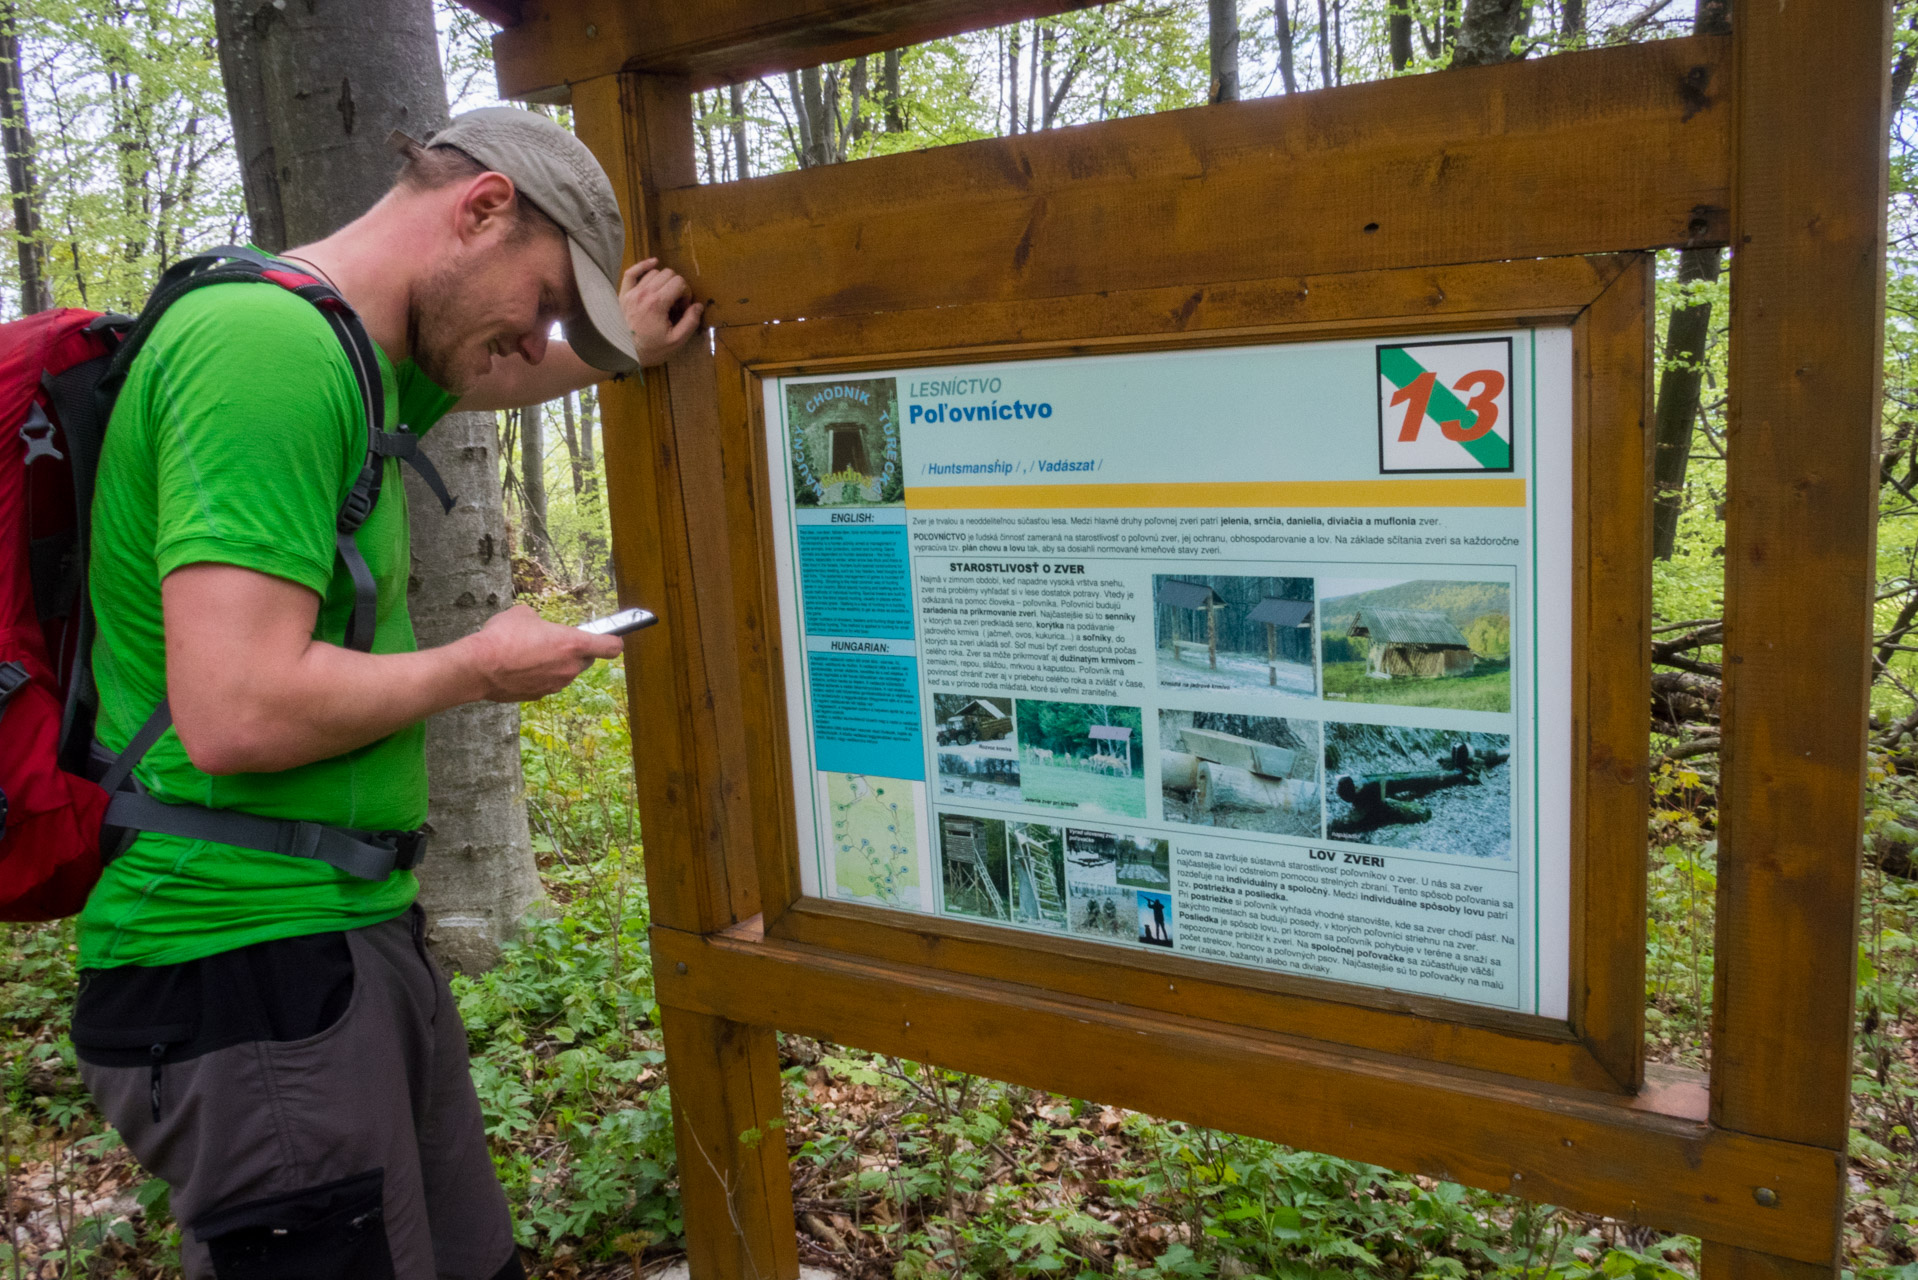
x=1605 y=300
x=1771 y=140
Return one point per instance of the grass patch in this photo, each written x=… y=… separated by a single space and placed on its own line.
x=1488 y=688
x=1082 y=791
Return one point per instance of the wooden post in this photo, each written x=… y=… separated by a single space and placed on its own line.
x=1806 y=362
x=1271 y=655
x=1212 y=635
x=663 y=474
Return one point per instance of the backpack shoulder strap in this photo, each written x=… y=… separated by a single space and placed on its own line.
x=231 y=263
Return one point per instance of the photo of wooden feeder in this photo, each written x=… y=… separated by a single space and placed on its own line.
x=1276 y=613
x=1194 y=595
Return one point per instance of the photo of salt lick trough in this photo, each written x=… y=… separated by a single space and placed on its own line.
x=1249 y=773
x=1417 y=642
x=978 y=755
x=1438 y=790
x=1246 y=634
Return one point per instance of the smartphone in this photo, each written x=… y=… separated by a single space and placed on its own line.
x=625 y=622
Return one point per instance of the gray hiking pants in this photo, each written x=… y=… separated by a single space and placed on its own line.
x=354 y=1153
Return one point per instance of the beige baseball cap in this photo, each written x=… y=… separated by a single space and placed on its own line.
x=556 y=172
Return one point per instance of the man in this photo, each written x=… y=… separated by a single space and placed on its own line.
x=267 y=1031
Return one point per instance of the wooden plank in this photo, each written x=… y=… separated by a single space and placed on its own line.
x=1611 y=651
x=1264 y=310
x=1335 y=1013
x=1807 y=283
x=729 y=1130
x=666 y=674
x=1475 y=165
x=1595 y=1153
x=725 y=1075
x=1729 y=1262
x=561 y=42
x=758 y=644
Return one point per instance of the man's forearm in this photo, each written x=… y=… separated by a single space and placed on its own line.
x=327 y=702
x=253 y=692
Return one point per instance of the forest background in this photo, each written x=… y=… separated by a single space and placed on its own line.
x=120 y=159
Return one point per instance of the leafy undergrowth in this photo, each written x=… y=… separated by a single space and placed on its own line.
x=903 y=1171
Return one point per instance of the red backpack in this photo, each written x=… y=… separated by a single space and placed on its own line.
x=67 y=806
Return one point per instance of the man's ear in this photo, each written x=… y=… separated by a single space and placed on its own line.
x=485 y=207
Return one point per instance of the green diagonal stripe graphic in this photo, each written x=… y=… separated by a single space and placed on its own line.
x=1489 y=450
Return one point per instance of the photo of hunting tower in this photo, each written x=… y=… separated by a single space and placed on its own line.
x=845 y=443
x=1038 y=873
x=972 y=866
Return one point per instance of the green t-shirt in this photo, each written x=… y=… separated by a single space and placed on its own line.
x=235 y=440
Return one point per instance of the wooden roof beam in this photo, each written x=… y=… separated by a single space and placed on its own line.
x=559 y=43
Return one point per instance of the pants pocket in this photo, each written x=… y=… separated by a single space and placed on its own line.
x=334 y=1231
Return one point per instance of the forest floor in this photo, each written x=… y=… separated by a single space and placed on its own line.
x=903 y=1171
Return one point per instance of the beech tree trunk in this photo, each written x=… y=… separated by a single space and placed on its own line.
x=1488 y=31
x=1572 y=20
x=1222 y=30
x=742 y=159
x=1398 y=30
x=314 y=89
x=1282 y=28
x=572 y=441
x=16 y=139
x=816 y=125
x=1325 y=47
x=1681 y=385
x=534 y=539
x=1012 y=79
x=895 y=109
x=1679 y=391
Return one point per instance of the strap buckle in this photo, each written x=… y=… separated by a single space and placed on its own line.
x=409 y=847
x=37 y=432
x=13 y=678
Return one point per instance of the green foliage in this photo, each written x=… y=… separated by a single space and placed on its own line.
x=133 y=153
x=1487 y=688
x=1490 y=635
x=565 y=1057
x=978 y=1178
x=1063 y=728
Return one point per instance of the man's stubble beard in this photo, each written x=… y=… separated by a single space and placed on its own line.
x=432 y=320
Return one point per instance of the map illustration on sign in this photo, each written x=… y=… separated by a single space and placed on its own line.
x=874 y=836
x=1446 y=406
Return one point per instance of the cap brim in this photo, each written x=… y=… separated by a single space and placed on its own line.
x=601 y=339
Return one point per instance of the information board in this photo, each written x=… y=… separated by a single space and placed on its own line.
x=1259 y=655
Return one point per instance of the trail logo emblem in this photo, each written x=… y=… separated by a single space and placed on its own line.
x=1446 y=406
